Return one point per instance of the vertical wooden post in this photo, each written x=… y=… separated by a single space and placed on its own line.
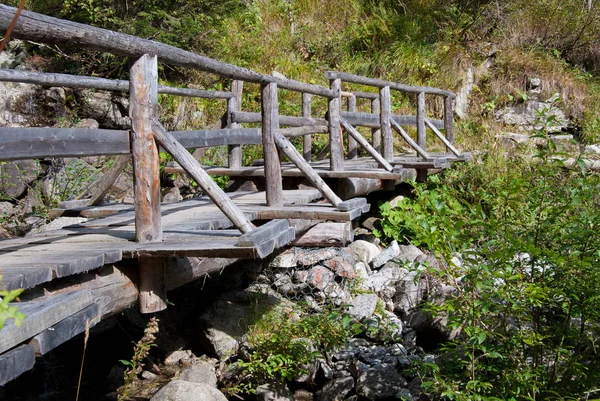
x=376 y=132
x=143 y=89
x=448 y=120
x=336 y=162
x=234 y=104
x=386 y=128
x=143 y=85
x=352 y=150
x=421 y=134
x=270 y=125
x=306 y=139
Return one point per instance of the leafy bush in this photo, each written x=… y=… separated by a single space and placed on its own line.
x=8 y=312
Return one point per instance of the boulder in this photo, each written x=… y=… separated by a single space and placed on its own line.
x=387 y=276
x=179 y=390
x=274 y=392
x=336 y=389
x=16 y=177
x=363 y=306
x=364 y=251
x=178 y=356
x=389 y=253
x=200 y=372
x=379 y=382
x=107 y=108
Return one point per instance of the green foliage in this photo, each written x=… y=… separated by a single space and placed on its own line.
x=8 y=312
x=526 y=303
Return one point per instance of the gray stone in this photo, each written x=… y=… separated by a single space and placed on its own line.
x=385 y=277
x=409 y=253
x=178 y=356
x=103 y=107
x=15 y=177
x=179 y=390
x=319 y=277
x=200 y=372
x=397 y=200
x=379 y=382
x=404 y=395
x=274 y=392
x=336 y=389
x=371 y=223
x=172 y=195
x=326 y=370
x=364 y=251
x=526 y=115
x=146 y=374
x=89 y=123
x=6 y=209
x=389 y=253
x=310 y=257
x=409 y=292
x=592 y=149
x=361 y=270
x=363 y=305
x=286 y=260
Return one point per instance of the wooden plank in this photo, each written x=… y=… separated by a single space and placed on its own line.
x=380 y=83
x=291 y=152
x=62 y=264
x=336 y=157
x=23 y=277
x=103 y=185
x=32 y=143
x=146 y=163
x=270 y=126
x=310 y=212
x=304 y=131
x=306 y=140
x=266 y=248
x=221 y=247
x=218 y=137
x=326 y=235
x=303 y=87
x=385 y=118
x=234 y=104
x=153 y=294
x=421 y=116
x=78 y=81
x=41 y=314
x=449 y=145
x=448 y=119
x=372 y=119
x=352 y=150
x=16 y=362
x=263 y=233
x=289 y=121
x=409 y=140
x=366 y=145
x=352 y=204
x=65 y=330
x=375 y=131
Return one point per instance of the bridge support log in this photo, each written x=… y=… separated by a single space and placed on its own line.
x=335 y=130
x=352 y=150
x=153 y=294
x=233 y=105
x=306 y=140
x=270 y=126
x=448 y=119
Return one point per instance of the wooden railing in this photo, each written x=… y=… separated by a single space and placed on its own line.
x=148 y=134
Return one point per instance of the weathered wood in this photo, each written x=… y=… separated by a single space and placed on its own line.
x=33 y=143
x=62 y=263
x=336 y=157
x=375 y=131
x=366 y=145
x=103 y=185
x=263 y=233
x=409 y=140
x=352 y=150
x=234 y=104
x=153 y=294
x=326 y=235
x=66 y=329
x=421 y=116
x=310 y=212
x=355 y=203
x=41 y=314
x=353 y=187
x=373 y=120
x=306 y=140
x=82 y=82
x=366 y=95
x=324 y=152
x=289 y=121
x=193 y=168
x=303 y=87
x=146 y=163
x=442 y=138
x=218 y=137
x=385 y=118
x=296 y=158
x=16 y=362
x=380 y=83
x=304 y=132
x=270 y=126
x=49 y=30
x=448 y=119
x=24 y=277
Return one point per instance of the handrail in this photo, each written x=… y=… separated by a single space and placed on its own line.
x=380 y=83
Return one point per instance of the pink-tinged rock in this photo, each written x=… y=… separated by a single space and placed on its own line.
x=340 y=266
x=301 y=276
x=319 y=277
x=311 y=257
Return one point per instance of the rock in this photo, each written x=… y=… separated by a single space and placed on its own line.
x=389 y=253
x=361 y=270
x=409 y=253
x=397 y=200
x=178 y=356
x=200 y=372
x=371 y=223
x=106 y=108
x=364 y=251
x=387 y=276
x=6 y=209
x=527 y=115
x=286 y=260
x=307 y=257
x=363 y=306
x=340 y=266
x=303 y=395
x=336 y=389
x=15 y=177
x=462 y=97
x=404 y=395
x=146 y=374
x=13 y=54
x=89 y=123
x=172 y=195
x=379 y=382
x=274 y=392
x=319 y=277
x=179 y=390
x=592 y=149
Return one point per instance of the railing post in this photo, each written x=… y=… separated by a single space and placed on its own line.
x=376 y=132
x=270 y=125
x=234 y=104
x=306 y=139
x=448 y=120
x=352 y=150
x=386 y=128
x=335 y=130
x=421 y=134
x=143 y=89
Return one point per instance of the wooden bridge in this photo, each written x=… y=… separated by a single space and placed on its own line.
x=77 y=275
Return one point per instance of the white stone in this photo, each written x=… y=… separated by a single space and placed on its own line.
x=364 y=251
x=179 y=390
